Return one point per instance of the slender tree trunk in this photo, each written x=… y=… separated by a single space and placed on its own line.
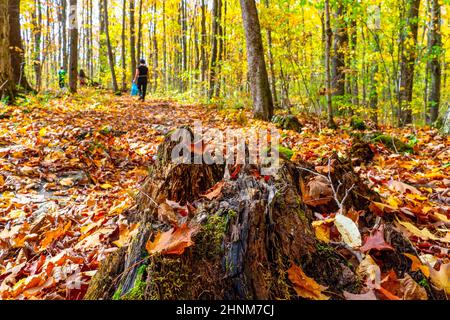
x=6 y=76
x=165 y=46
x=204 y=61
x=132 y=40
x=340 y=49
x=37 y=21
x=110 y=51
x=373 y=94
x=103 y=51
x=271 y=62
x=155 y=50
x=124 y=59
x=139 y=41
x=214 y=46
x=259 y=82
x=328 y=35
x=15 y=43
x=183 y=23
x=354 y=78
x=435 y=53
x=64 y=35
x=73 y=61
x=408 y=57
x=91 y=43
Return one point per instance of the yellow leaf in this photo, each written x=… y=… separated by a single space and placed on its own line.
x=441 y=278
x=322 y=229
x=67 y=182
x=106 y=186
x=418 y=265
x=126 y=234
x=43 y=132
x=424 y=233
x=305 y=286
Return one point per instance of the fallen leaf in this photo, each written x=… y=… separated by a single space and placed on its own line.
x=173 y=241
x=126 y=233
x=424 y=233
x=418 y=265
x=305 y=286
x=441 y=278
x=376 y=241
x=402 y=187
x=370 y=272
x=348 y=230
x=412 y=290
x=215 y=191
x=322 y=229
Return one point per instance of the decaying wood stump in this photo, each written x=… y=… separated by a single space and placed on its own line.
x=249 y=235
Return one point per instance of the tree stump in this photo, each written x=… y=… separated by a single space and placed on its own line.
x=249 y=235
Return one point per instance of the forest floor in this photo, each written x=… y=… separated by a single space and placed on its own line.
x=71 y=166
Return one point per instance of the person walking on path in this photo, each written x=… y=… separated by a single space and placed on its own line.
x=62 y=77
x=141 y=78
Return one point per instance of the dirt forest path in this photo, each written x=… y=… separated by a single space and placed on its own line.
x=70 y=167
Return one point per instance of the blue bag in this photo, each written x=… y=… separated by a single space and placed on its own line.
x=134 y=89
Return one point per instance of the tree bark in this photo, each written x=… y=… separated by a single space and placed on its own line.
x=214 y=47
x=257 y=71
x=110 y=51
x=271 y=62
x=124 y=61
x=408 y=43
x=37 y=25
x=139 y=39
x=328 y=36
x=15 y=43
x=6 y=76
x=132 y=40
x=73 y=61
x=65 y=61
x=434 y=53
x=204 y=61
x=340 y=49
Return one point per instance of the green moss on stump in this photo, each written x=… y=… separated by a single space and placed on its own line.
x=287 y=122
x=392 y=143
x=357 y=123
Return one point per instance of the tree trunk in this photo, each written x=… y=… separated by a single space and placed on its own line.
x=155 y=50
x=124 y=61
x=259 y=82
x=328 y=36
x=214 y=47
x=15 y=43
x=110 y=51
x=73 y=61
x=408 y=43
x=204 y=61
x=6 y=76
x=434 y=53
x=64 y=35
x=139 y=41
x=271 y=62
x=132 y=40
x=340 y=49
x=373 y=94
x=103 y=50
x=37 y=26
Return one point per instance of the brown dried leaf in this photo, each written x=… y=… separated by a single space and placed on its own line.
x=305 y=286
